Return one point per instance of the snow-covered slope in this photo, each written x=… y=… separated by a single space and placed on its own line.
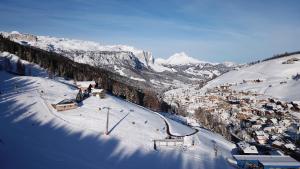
x=277 y=78
x=34 y=135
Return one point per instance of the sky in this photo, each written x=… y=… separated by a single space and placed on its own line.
x=210 y=30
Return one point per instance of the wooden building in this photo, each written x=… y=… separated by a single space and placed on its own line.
x=66 y=104
x=98 y=93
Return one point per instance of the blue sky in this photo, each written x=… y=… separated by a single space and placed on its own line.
x=217 y=31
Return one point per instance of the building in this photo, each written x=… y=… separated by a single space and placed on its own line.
x=246 y=148
x=266 y=161
x=84 y=85
x=66 y=104
x=100 y=93
x=261 y=137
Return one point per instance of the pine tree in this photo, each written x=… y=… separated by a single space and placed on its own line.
x=79 y=96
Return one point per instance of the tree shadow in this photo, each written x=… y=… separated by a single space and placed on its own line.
x=32 y=138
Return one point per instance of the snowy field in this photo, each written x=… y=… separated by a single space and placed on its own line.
x=34 y=135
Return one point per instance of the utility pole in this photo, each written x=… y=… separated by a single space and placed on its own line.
x=107 y=119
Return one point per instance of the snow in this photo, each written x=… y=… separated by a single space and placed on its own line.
x=34 y=135
x=15 y=32
x=272 y=72
x=120 y=71
x=138 y=79
x=178 y=59
x=85 y=84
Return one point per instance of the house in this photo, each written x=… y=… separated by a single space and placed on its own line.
x=280 y=129
x=290 y=146
x=285 y=122
x=270 y=106
x=269 y=129
x=66 y=104
x=100 y=93
x=84 y=85
x=273 y=121
x=224 y=87
x=246 y=148
x=277 y=143
x=261 y=137
x=233 y=100
x=256 y=126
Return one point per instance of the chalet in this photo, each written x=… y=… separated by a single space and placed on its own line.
x=246 y=148
x=100 y=93
x=84 y=85
x=66 y=104
x=224 y=87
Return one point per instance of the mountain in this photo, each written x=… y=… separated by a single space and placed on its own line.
x=179 y=59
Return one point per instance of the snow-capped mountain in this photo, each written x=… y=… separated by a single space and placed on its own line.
x=179 y=59
x=88 y=52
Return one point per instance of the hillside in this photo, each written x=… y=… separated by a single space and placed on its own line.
x=276 y=76
x=34 y=135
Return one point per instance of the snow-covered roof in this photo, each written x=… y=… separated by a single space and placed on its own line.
x=66 y=101
x=85 y=83
x=97 y=90
x=273 y=120
x=290 y=146
x=247 y=148
x=278 y=143
x=269 y=160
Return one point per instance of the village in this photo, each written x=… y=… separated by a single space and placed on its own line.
x=256 y=122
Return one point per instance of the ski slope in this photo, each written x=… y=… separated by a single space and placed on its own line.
x=34 y=135
x=277 y=79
